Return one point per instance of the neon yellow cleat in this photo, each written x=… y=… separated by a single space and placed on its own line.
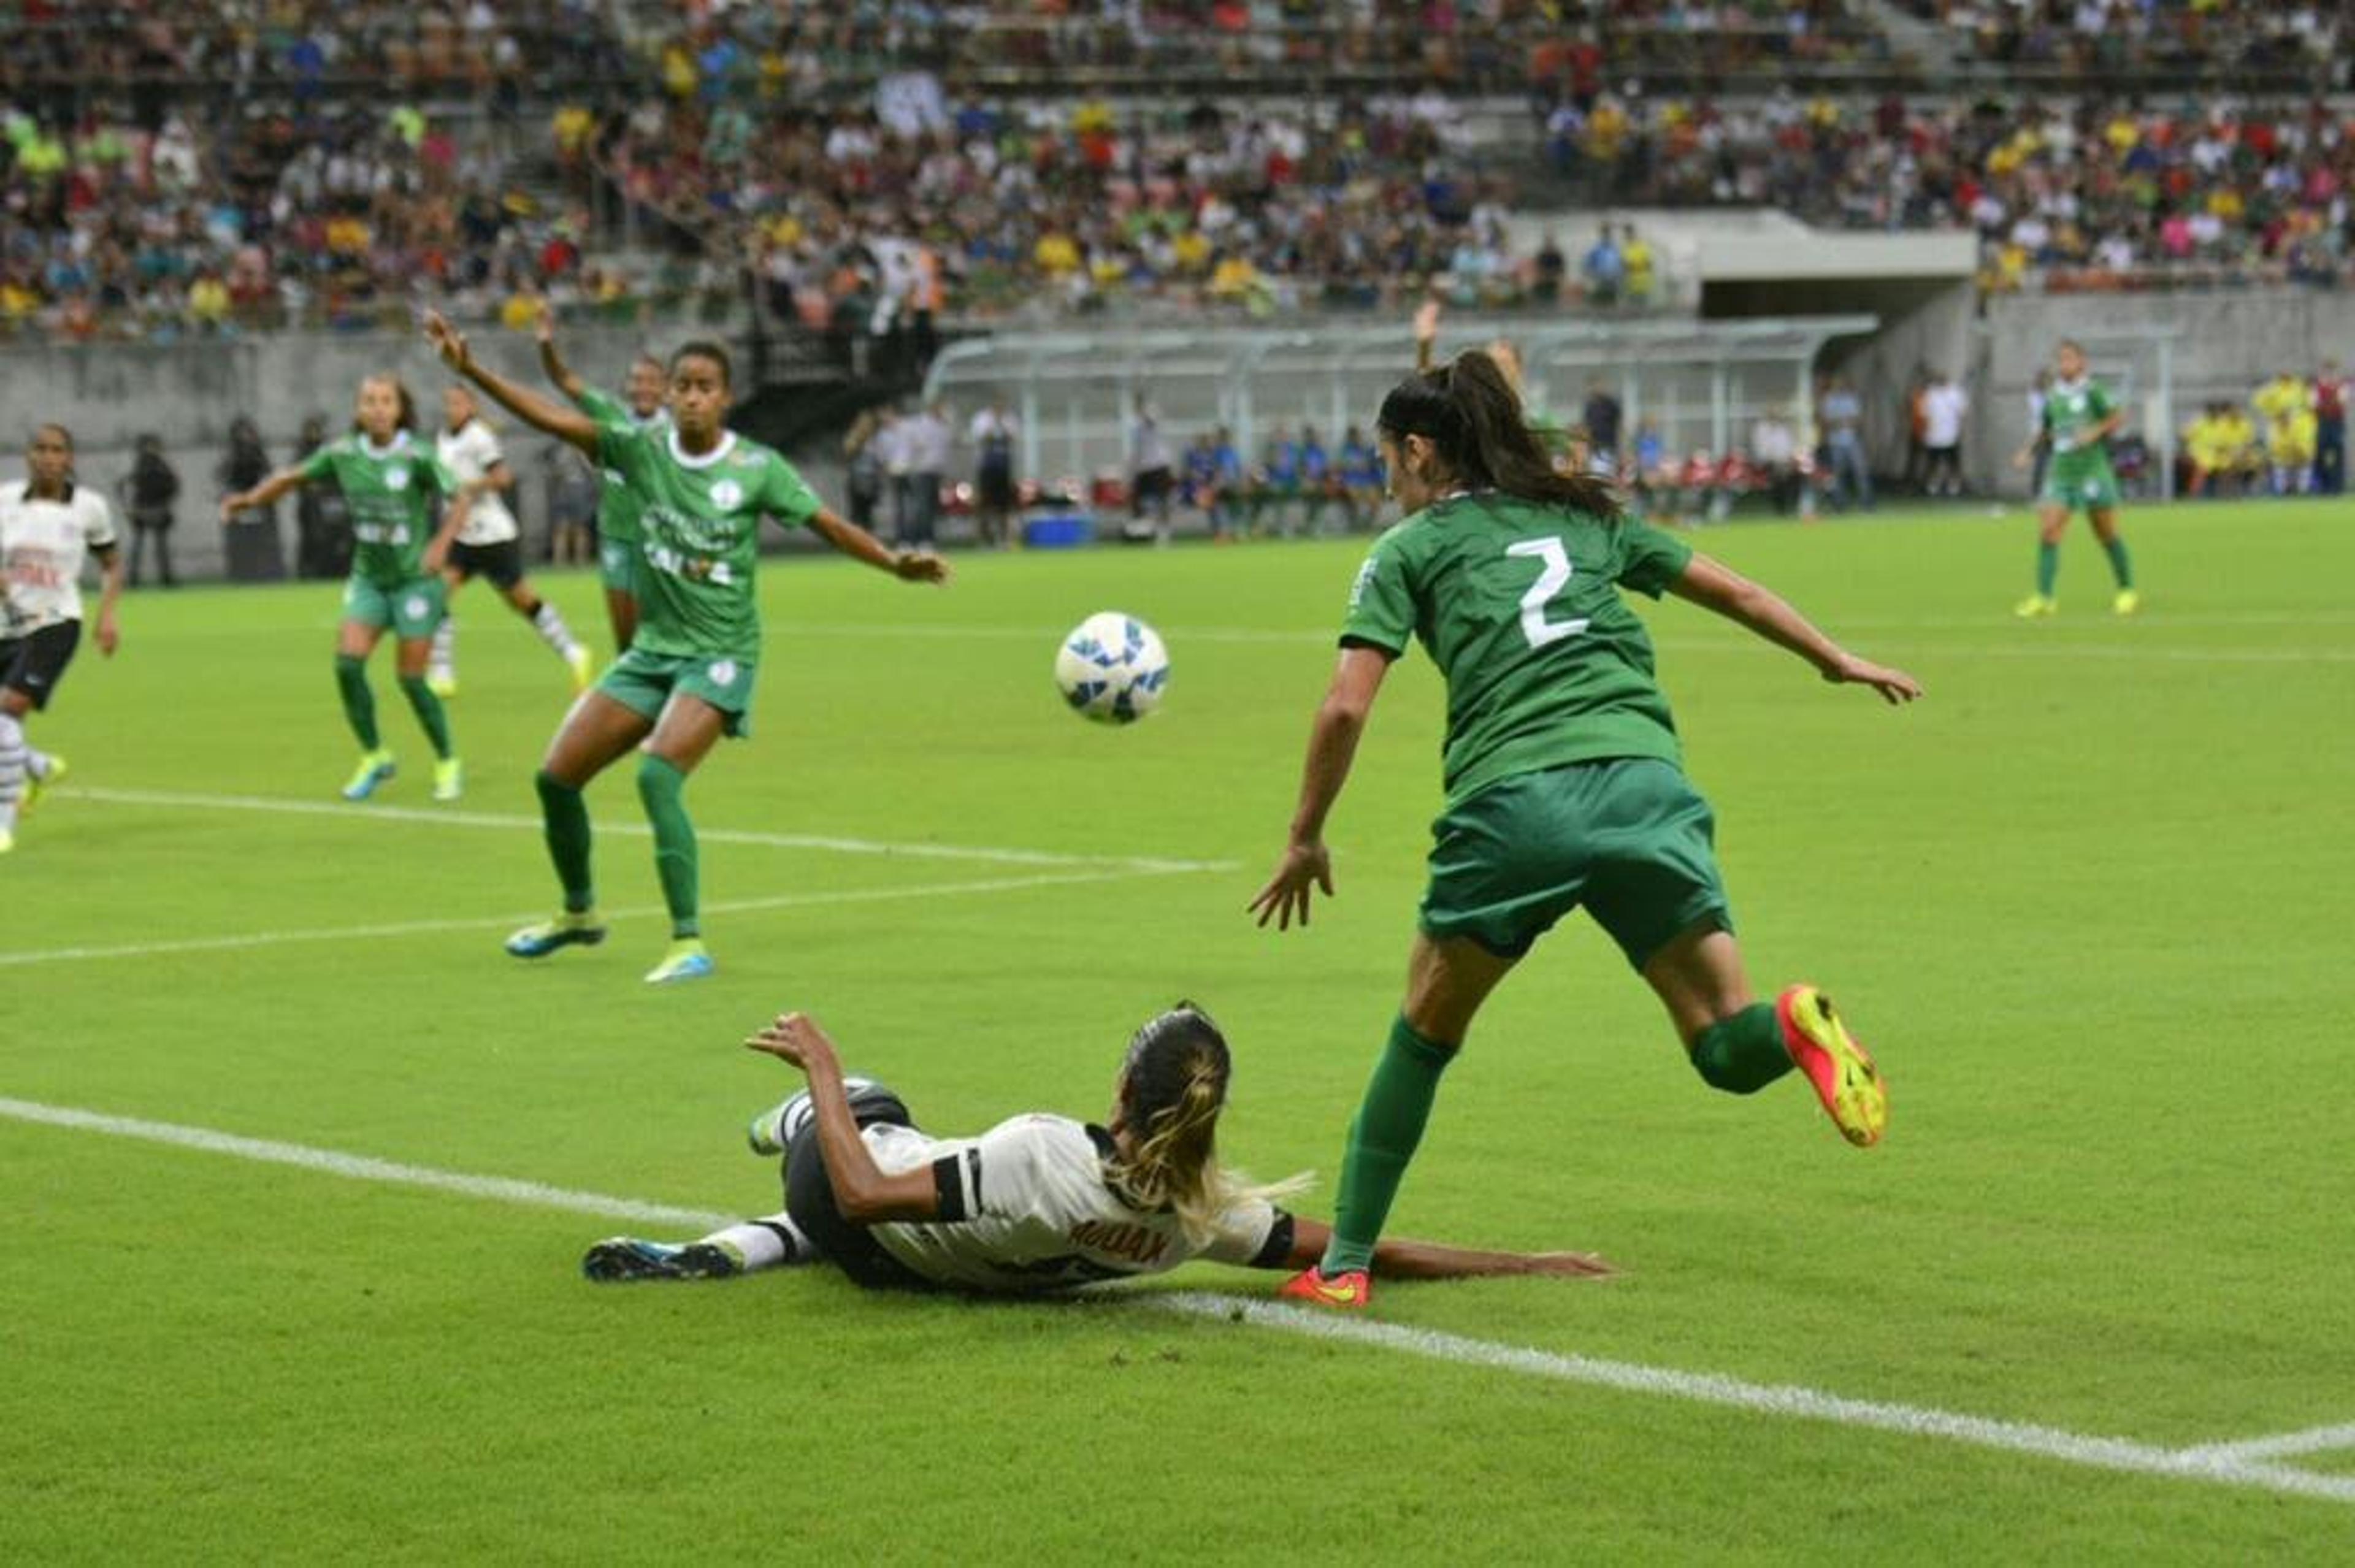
x=1841 y=1070
x=36 y=784
x=583 y=667
x=2127 y=603
x=442 y=682
x=581 y=928
x=8 y=840
x=686 y=960
x=2037 y=604
x=375 y=768
x=449 y=779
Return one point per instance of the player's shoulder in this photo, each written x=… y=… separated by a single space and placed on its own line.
x=12 y=493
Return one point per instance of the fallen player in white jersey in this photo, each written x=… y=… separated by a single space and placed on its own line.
x=1037 y=1204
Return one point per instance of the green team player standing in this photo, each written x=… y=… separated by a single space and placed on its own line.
x=687 y=677
x=1564 y=784
x=393 y=485
x=2078 y=419
x=618 y=538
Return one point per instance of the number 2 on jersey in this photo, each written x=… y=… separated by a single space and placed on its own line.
x=1550 y=582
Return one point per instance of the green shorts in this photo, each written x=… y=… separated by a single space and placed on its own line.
x=412 y=610
x=1629 y=838
x=2086 y=488
x=642 y=682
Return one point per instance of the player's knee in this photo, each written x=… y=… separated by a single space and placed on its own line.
x=551 y=788
x=659 y=780
x=349 y=666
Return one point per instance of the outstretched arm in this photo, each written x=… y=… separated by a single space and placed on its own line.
x=862 y=1190
x=107 y=631
x=1713 y=586
x=1332 y=746
x=551 y=364
x=1401 y=1258
x=261 y=495
x=907 y=565
x=568 y=425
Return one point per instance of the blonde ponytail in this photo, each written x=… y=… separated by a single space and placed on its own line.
x=1175 y=1087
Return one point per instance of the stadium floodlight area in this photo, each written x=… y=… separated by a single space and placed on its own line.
x=1698 y=383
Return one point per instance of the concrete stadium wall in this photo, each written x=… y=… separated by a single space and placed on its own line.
x=189 y=393
x=2223 y=346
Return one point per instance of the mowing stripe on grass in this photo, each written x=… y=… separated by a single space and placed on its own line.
x=508 y=921
x=2033 y=646
x=351 y=812
x=2227 y=1464
x=2225 y=1467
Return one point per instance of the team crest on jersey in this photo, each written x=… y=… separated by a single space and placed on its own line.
x=728 y=494
x=396 y=476
x=722 y=672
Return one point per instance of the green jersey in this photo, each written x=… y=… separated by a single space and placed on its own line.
x=2072 y=410
x=617 y=507
x=394 y=493
x=1515 y=600
x=700 y=534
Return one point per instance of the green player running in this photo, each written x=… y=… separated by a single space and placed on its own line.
x=641 y=406
x=1564 y=784
x=687 y=677
x=2079 y=418
x=393 y=484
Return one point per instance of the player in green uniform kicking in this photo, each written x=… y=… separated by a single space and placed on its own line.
x=687 y=677
x=392 y=482
x=2080 y=416
x=641 y=406
x=1564 y=785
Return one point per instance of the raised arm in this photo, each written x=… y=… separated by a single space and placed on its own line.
x=551 y=364
x=865 y=1193
x=565 y=423
x=261 y=495
x=907 y=565
x=1401 y=1258
x=1332 y=746
x=1757 y=609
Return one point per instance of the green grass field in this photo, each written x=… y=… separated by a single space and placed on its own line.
x=2087 y=900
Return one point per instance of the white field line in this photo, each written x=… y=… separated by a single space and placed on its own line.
x=2315 y=1440
x=508 y=922
x=360 y=812
x=2223 y=1464
x=2224 y=1467
x=360 y=1167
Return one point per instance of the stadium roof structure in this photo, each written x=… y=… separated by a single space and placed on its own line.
x=1227 y=372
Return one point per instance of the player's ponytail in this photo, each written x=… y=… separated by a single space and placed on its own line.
x=1470 y=413
x=1173 y=1086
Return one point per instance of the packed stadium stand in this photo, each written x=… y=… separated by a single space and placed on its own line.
x=845 y=191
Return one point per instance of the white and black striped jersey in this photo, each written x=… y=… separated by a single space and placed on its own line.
x=42 y=544
x=470 y=452
x=1026 y=1207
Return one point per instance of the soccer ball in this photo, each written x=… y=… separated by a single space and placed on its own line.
x=1112 y=668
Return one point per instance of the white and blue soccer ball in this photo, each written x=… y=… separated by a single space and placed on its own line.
x=1113 y=668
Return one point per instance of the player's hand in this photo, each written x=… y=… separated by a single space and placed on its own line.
x=108 y=633
x=543 y=326
x=1426 y=322
x=230 y=507
x=2019 y=459
x=436 y=556
x=1285 y=897
x=1892 y=684
x=1585 y=1265
x=448 y=342
x=794 y=1037
x=918 y=566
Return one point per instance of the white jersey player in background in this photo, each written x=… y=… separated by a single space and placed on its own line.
x=48 y=524
x=489 y=545
x=1037 y=1204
